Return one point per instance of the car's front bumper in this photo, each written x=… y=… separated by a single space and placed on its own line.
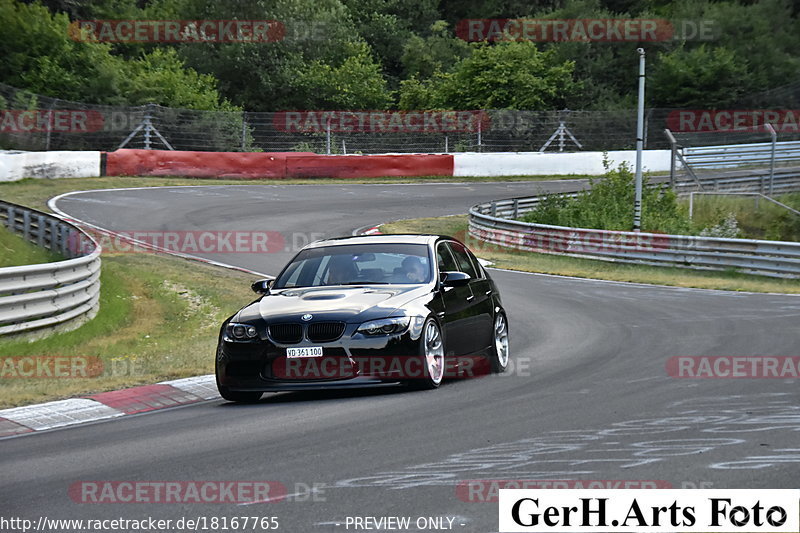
x=354 y=360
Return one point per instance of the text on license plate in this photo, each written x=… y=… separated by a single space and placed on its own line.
x=306 y=351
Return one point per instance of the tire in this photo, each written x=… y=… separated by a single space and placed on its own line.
x=232 y=395
x=500 y=348
x=238 y=396
x=432 y=354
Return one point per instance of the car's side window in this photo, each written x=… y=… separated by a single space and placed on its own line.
x=478 y=268
x=462 y=259
x=445 y=258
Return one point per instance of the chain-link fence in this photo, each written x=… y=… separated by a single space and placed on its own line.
x=35 y=122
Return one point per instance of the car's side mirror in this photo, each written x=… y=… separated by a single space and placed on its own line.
x=262 y=286
x=454 y=278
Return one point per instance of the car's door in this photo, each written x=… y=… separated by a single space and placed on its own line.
x=481 y=306
x=457 y=303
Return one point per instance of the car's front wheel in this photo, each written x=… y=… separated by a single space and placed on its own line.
x=500 y=349
x=432 y=357
x=235 y=395
x=238 y=396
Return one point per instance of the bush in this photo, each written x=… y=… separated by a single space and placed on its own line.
x=784 y=227
x=728 y=228
x=608 y=205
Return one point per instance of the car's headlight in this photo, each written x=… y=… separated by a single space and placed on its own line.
x=240 y=332
x=385 y=326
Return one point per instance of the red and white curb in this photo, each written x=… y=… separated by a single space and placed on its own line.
x=367 y=230
x=106 y=405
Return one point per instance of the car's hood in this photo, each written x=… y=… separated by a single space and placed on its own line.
x=347 y=303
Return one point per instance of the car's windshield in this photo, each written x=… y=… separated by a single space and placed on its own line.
x=357 y=264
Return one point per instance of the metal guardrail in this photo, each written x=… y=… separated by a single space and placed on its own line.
x=490 y=223
x=737 y=155
x=47 y=295
x=756 y=180
x=746 y=157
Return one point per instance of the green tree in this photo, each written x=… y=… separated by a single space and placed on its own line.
x=455 y=10
x=355 y=84
x=321 y=40
x=422 y=57
x=506 y=75
x=387 y=25
x=700 y=77
x=43 y=54
x=38 y=55
x=423 y=94
x=160 y=77
x=609 y=68
x=93 y=9
x=343 y=53
x=763 y=35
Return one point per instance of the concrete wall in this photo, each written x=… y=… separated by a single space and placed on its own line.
x=17 y=165
x=557 y=164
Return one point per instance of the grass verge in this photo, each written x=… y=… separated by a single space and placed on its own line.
x=159 y=320
x=16 y=251
x=756 y=218
x=456 y=226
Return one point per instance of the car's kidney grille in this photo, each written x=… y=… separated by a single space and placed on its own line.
x=286 y=333
x=325 y=331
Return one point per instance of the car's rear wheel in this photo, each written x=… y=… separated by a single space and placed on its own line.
x=432 y=356
x=500 y=349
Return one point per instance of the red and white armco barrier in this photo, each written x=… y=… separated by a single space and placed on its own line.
x=282 y=165
x=275 y=165
x=241 y=165
x=308 y=165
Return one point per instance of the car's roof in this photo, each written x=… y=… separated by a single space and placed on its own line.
x=379 y=239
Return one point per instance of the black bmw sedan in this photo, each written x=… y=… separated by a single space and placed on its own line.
x=366 y=311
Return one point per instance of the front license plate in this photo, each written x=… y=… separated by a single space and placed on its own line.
x=306 y=351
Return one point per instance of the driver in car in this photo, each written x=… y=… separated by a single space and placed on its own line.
x=414 y=269
x=341 y=270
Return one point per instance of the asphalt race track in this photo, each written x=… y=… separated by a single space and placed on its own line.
x=587 y=396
